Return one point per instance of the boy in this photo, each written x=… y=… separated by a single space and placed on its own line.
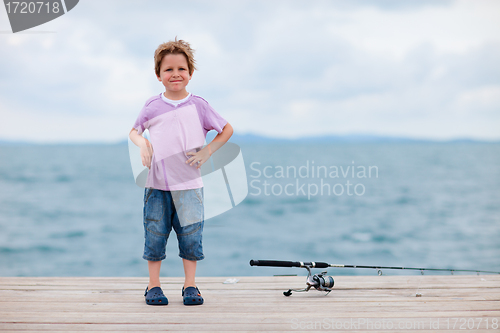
x=178 y=122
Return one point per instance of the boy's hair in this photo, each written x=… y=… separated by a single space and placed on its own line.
x=175 y=47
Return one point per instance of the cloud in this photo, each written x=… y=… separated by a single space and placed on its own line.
x=280 y=68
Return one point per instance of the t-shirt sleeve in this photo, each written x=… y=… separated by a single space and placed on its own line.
x=142 y=121
x=213 y=120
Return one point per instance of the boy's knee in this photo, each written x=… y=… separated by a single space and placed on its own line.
x=190 y=242
x=154 y=246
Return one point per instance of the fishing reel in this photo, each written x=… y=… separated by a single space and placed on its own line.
x=321 y=282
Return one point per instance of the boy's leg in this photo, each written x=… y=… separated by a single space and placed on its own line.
x=154 y=274
x=189 y=273
x=188 y=224
x=157 y=227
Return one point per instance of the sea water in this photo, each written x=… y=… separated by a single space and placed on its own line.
x=74 y=210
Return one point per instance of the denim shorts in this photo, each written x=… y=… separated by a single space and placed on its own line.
x=181 y=210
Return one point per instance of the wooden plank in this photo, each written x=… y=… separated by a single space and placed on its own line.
x=267 y=327
x=287 y=326
x=9 y=302
x=317 y=297
x=241 y=315
x=347 y=281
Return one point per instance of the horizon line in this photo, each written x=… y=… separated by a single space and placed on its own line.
x=252 y=138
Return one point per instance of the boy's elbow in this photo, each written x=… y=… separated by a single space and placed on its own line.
x=228 y=129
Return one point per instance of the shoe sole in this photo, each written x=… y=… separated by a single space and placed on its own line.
x=192 y=301
x=157 y=302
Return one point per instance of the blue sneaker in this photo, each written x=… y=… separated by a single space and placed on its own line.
x=155 y=296
x=192 y=296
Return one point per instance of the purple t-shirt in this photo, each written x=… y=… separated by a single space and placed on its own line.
x=174 y=131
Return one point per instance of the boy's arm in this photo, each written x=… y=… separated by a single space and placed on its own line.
x=203 y=155
x=220 y=139
x=144 y=144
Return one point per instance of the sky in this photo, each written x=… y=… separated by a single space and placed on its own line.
x=289 y=69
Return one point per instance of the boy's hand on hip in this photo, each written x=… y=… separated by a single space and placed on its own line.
x=197 y=159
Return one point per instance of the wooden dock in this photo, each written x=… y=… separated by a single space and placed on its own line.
x=357 y=304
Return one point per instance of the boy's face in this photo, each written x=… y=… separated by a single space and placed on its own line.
x=174 y=74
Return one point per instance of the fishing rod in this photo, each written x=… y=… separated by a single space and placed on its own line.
x=322 y=282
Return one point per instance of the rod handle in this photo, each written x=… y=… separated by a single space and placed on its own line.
x=279 y=263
